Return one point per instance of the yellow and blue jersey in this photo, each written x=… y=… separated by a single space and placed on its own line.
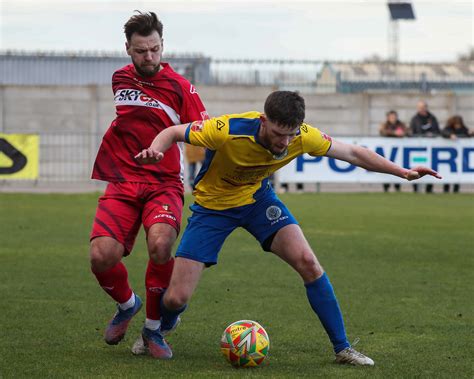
x=237 y=166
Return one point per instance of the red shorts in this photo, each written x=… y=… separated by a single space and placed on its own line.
x=125 y=206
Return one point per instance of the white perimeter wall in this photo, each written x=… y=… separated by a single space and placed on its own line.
x=72 y=120
x=52 y=109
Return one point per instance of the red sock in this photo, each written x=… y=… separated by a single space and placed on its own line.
x=157 y=279
x=114 y=281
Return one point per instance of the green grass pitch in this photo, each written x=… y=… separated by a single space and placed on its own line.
x=401 y=265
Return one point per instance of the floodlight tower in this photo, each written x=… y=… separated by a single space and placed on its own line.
x=399 y=10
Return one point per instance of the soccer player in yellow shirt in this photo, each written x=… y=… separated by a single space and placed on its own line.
x=232 y=190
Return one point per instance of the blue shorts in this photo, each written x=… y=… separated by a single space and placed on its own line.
x=207 y=228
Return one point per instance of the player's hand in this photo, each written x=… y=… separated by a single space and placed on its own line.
x=148 y=156
x=420 y=171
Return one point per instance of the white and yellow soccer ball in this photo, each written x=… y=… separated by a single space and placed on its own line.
x=245 y=343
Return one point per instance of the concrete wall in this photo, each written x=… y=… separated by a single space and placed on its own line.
x=72 y=120
x=90 y=109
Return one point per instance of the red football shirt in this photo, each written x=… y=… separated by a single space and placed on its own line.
x=144 y=107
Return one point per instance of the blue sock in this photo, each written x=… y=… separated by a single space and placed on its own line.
x=324 y=303
x=169 y=316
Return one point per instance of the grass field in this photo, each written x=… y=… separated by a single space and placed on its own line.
x=401 y=265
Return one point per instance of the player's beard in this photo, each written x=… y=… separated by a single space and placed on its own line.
x=276 y=154
x=279 y=154
x=147 y=70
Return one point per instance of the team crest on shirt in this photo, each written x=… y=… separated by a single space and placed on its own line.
x=273 y=212
x=326 y=137
x=165 y=213
x=196 y=126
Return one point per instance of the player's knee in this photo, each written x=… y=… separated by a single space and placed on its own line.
x=175 y=299
x=160 y=250
x=102 y=257
x=309 y=267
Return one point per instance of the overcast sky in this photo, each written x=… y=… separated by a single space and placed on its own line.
x=321 y=30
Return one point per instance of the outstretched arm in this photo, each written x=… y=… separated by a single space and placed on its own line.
x=161 y=143
x=365 y=158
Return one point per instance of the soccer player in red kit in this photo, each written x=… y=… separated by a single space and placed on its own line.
x=149 y=96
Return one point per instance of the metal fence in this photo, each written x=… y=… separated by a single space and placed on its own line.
x=64 y=158
x=67 y=157
x=276 y=73
x=305 y=76
x=89 y=68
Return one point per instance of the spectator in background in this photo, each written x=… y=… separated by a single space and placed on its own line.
x=393 y=127
x=455 y=129
x=423 y=124
x=194 y=156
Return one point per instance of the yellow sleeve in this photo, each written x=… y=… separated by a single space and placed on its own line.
x=315 y=142
x=210 y=134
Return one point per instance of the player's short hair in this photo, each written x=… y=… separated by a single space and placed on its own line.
x=285 y=108
x=143 y=24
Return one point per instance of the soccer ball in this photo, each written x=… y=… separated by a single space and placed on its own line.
x=245 y=343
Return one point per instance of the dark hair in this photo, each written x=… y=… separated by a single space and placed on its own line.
x=391 y=112
x=285 y=108
x=144 y=24
x=452 y=121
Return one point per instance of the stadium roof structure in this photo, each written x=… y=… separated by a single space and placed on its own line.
x=96 y=68
x=366 y=76
x=85 y=67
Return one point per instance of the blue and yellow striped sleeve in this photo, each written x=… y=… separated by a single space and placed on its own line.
x=210 y=134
